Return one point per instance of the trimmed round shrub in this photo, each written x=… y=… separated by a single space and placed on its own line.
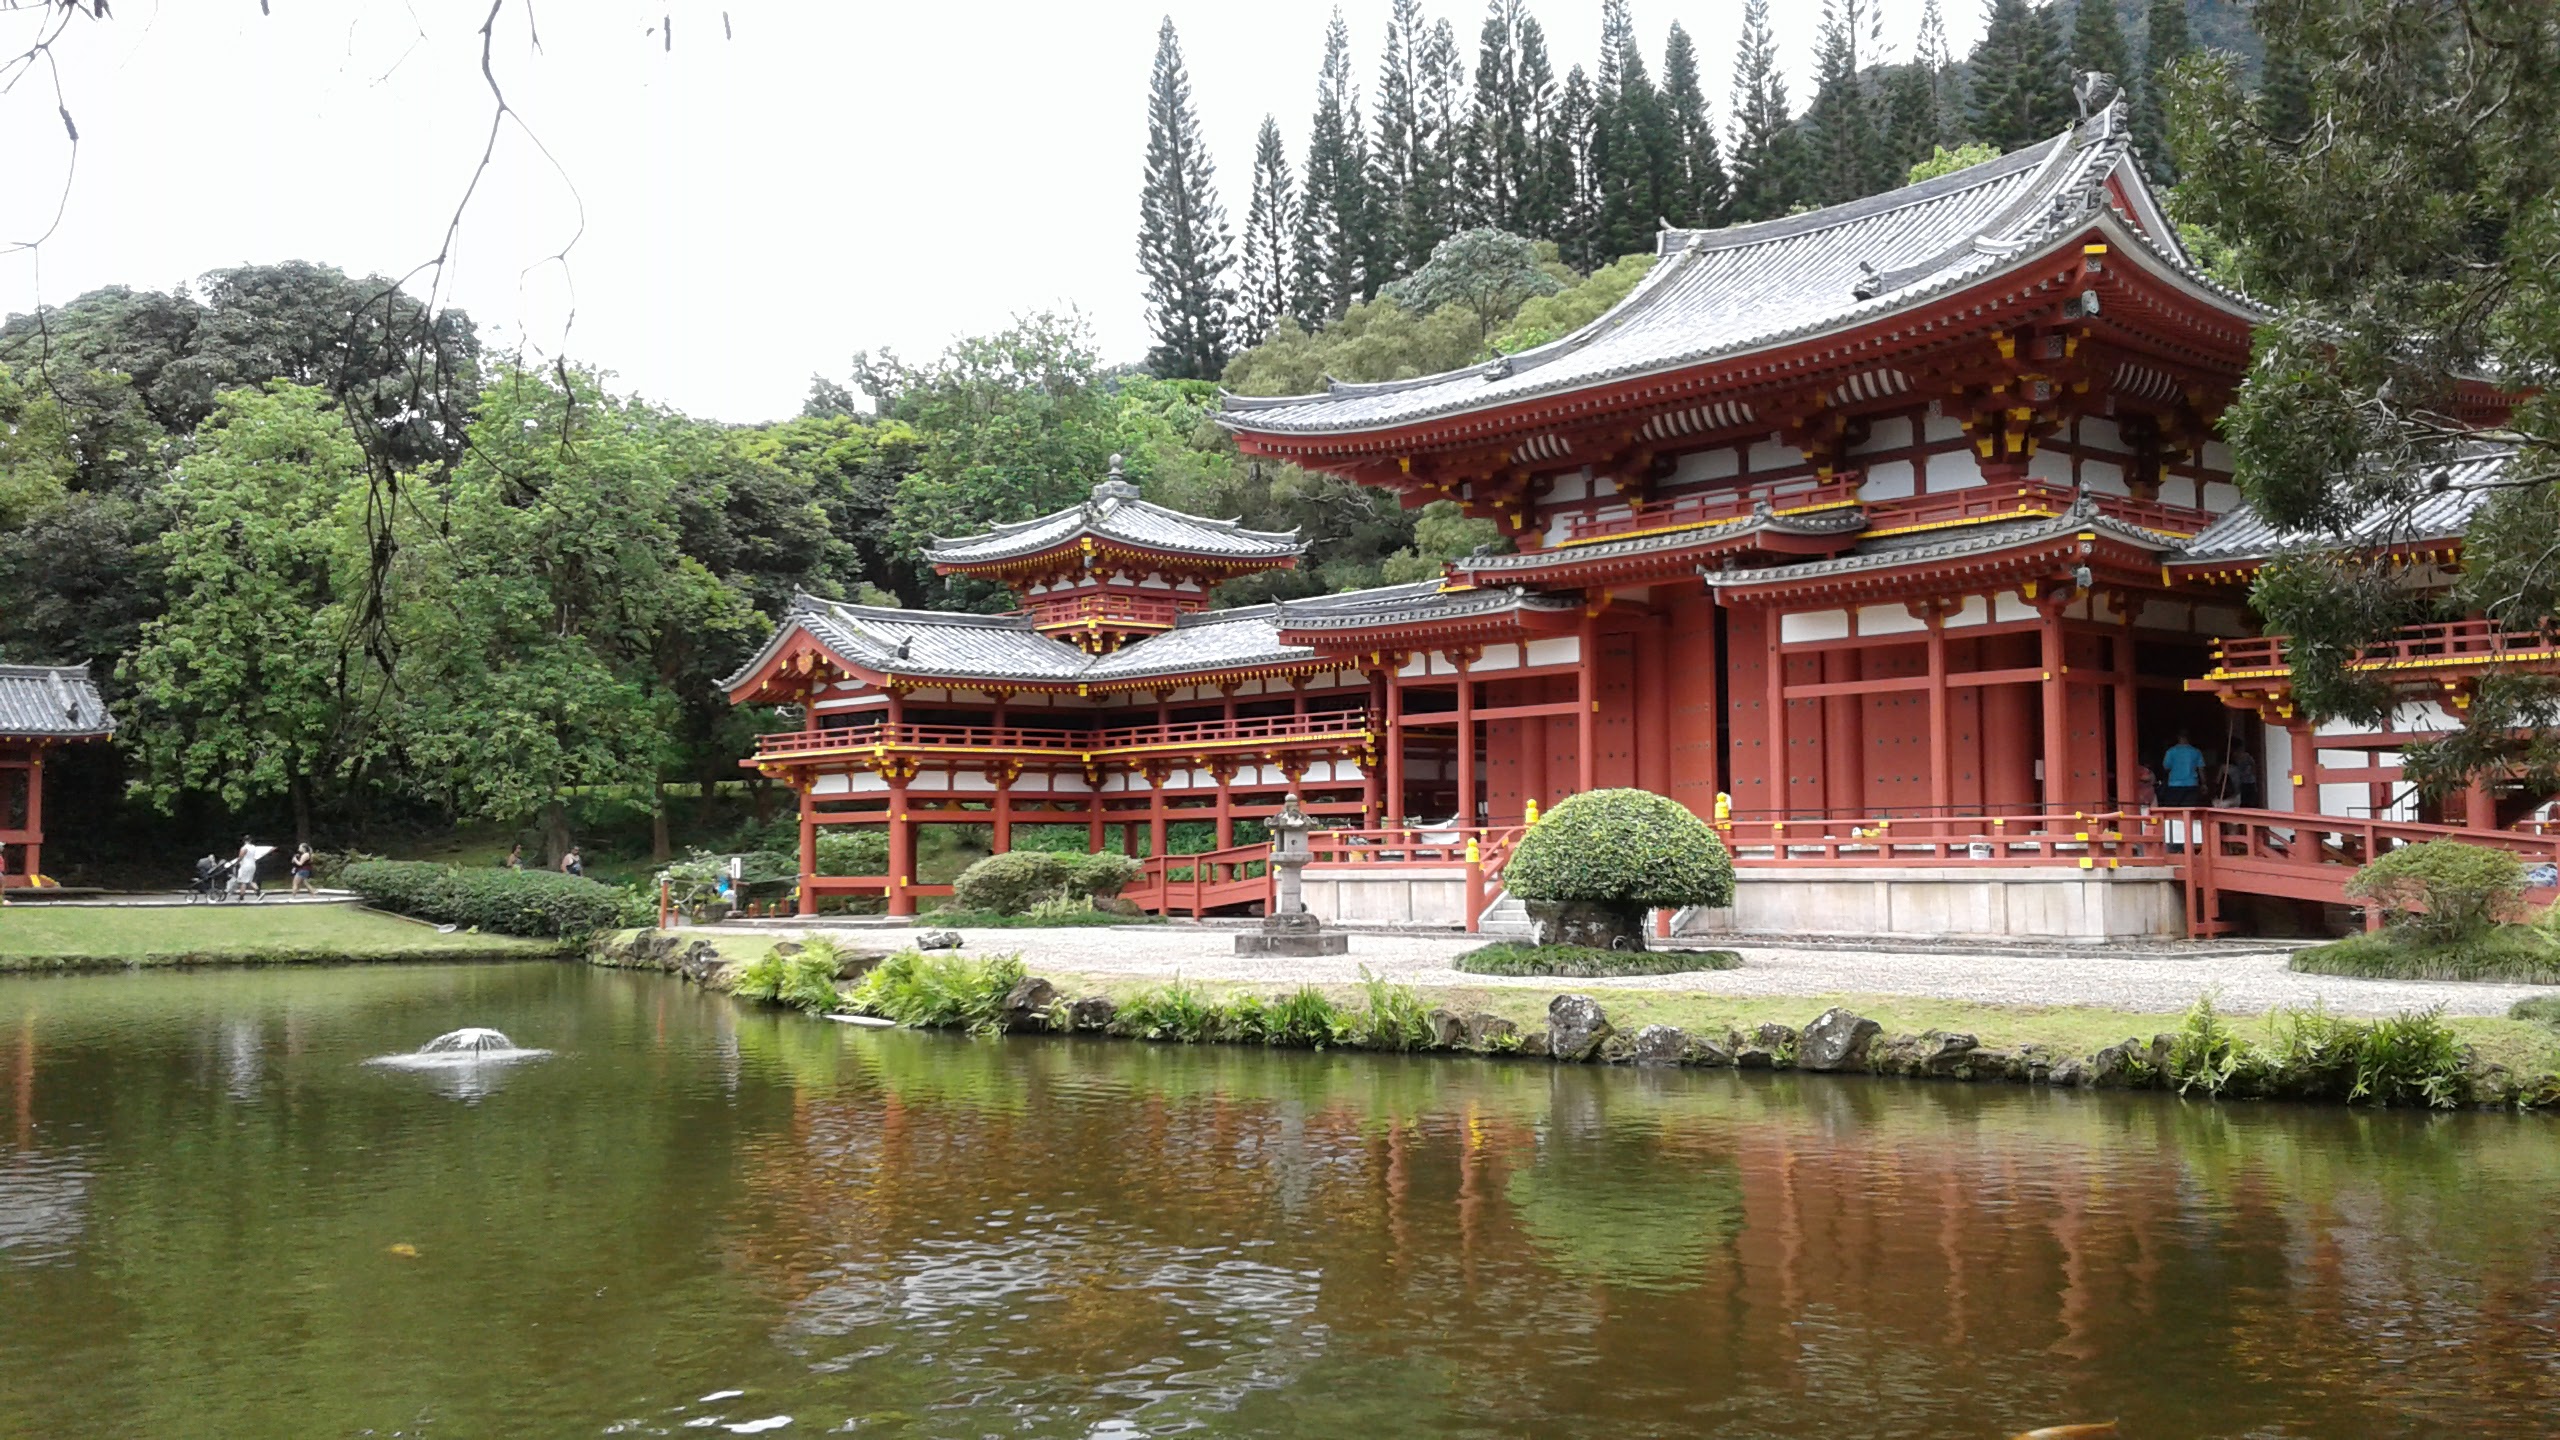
x=1014 y=882
x=504 y=902
x=1626 y=849
x=1011 y=883
x=2444 y=890
x=1101 y=875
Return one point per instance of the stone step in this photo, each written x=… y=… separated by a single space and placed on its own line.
x=1505 y=919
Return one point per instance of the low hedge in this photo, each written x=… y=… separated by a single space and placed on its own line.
x=502 y=902
x=2506 y=954
x=1584 y=962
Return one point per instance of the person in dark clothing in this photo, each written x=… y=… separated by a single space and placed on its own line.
x=2240 y=780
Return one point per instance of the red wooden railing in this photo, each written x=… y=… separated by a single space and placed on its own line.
x=1208 y=880
x=1990 y=502
x=1107 y=606
x=2100 y=840
x=2311 y=857
x=2455 y=642
x=1480 y=852
x=1786 y=497
x=905 y=735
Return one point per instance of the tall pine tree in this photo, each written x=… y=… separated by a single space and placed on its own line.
x=1494 y=168
x=1398 y=172
x=1698 y=196
x=1848 y=148
x=1444 y=112
x=1270 y=228
x=1631 y=146
x=2021 y=76
x=1767 y=178
x=1337 y=230
x=1184 y=248
x=1573 y=174
x=2165 y=42
x=1946 y=84
x=2097 y=42
x=1547 y=184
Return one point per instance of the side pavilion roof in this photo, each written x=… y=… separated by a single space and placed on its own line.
x=1115 y=514
x=2454 y=492
x=1716 y=294
x=52 y=702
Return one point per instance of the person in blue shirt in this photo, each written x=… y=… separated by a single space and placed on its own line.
x=2182 y=775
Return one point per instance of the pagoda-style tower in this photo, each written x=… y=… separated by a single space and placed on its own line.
x=1116 y=567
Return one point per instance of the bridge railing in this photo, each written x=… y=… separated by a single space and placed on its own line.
x=910 y=735
x=2451 y=642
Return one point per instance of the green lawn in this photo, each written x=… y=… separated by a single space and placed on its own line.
x=67 y=937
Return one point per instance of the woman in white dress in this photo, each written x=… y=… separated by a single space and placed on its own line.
x=244 y=870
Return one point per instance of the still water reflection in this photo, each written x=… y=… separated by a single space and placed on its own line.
x=215 y=1219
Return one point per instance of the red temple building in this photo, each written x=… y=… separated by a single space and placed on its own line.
x=1894 y=537
x=42 y=708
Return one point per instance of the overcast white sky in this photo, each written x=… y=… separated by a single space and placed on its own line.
x=839 y=174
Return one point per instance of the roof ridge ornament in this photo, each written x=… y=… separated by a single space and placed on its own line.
x=1115 y=487
x=2095 y=92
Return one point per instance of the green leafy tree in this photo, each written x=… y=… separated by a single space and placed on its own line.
x=1488 y=272
x=1184 y=249
x=35 y=453
x=1768 y=166
x=1700 y=190
x=1947 y=162
x=2165 y=43
x=1374 y=340
x=1013 y=425
x=1442 y=532
x=1550 y=317
x=853 y=470
x=252 y=684
x=2021 y=76
x=545 y=611
x=1270 y=227
x=2446 y=119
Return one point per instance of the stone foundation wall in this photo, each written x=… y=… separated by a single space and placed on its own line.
x=1982 y=903
x=1357 y=895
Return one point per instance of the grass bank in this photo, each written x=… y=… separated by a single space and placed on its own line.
x=2511 y=954
x=45 y=937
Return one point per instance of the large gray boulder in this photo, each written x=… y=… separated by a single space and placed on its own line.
x=937 y=939
x=1027 y=1004
x=1093 y=1012
x=1576 y=1026
x=1836 y=1040
x=1660 y=1045
x=1488 y=1031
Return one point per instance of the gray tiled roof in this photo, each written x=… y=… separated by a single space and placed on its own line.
x=52 y=701
x=1116 y=513
x=1423 y=600
x=2456 y=490
x=1718 y=293
x=1841 y=521
x=1893 y=550
x=1217 y=640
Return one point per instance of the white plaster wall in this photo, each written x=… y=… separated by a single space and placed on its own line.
x=2103 y=477
x=2050 y=466
x=1807 y=626
x=1888 y=480
x=2008 y=605
x=1953 y=470
x=2219 y=496
x=1939 y=427
x=1555 y=650
x=1976 y=610
x=1773 y=454
x=1701 y=465
x=1888 y=620
x=2098 y=432
x=1890 y=433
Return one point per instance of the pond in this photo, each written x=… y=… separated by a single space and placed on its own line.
x=217 y=1219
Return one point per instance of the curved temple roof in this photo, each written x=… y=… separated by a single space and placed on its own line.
x=1116 y=514
x=2455 y=490
x=52 y=702
x=1720 y=293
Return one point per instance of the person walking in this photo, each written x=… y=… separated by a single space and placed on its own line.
x=304 y=862
x=244 y=868
x=2240 y=780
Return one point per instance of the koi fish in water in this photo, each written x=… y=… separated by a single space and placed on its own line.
x=2069 y=1432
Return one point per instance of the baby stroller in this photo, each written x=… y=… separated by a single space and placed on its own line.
x=212 y=879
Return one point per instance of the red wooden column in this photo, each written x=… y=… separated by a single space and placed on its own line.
x=1843 y=729
x=2305 y=768
x=1225 y=772
x=1942 y=760
x=806 y=784
x=1779 y=780
x=33 y=863
x=902 y=847
x=2128 y=723
x=1586 y=715
x=1093 y=823
x=2479 y=805
x=1395 y=741
x=1466 y=739
x=1001 y=825
x=1719 y=765
x=1653 y=705
x=2057 y=729
x=1155 y=813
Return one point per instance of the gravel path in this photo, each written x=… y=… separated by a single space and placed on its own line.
x=2249 y=982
